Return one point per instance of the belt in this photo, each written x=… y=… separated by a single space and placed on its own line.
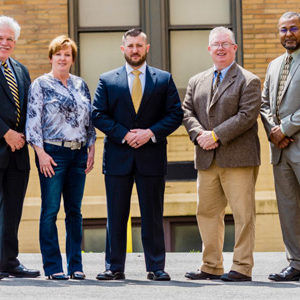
x=73 y=145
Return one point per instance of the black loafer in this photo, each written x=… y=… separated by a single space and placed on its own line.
x=287 y=274
x=200 y=275
x=110 y=275
x=22 y=271
x=159 y=275
x=58 y=277
x=234 y=276
x=77 y=276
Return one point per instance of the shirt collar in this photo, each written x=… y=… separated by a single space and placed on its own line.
x=7 y=61
x=294 y=54
x=224 y=71
x=129 y=68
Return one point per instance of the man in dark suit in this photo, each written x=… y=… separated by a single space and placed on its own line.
x=280 y=114
x=14 y=159
x=221 y=107
x=137 y=107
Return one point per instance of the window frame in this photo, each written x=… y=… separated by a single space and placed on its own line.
x=154 y=21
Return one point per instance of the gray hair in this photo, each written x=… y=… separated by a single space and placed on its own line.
x=289 y=15
x=12 y=24
x=221 y=29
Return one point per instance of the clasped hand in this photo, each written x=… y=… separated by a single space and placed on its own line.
x=136 y=138
x=206 y=141
x=278 y=138
x=14 y=139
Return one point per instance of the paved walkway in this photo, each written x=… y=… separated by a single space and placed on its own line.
x=136 y=286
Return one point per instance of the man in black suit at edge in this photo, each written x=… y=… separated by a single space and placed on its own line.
x=14 y=158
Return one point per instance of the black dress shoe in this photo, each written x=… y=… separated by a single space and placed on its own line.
x=200 y=275
x=110 y=275
x=287 y=274
x=58 y=277
x=235 y=277
x=22 y=271
x=77 y=276
x=159 y=275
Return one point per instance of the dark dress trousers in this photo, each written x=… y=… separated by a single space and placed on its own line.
x=114 y=114
x=14 y=166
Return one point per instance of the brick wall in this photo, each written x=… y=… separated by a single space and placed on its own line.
x=260 y=33
x=40 y=22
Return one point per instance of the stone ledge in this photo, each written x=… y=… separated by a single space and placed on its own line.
x=179 y=204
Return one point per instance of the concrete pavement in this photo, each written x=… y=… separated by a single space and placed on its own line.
x=136 y=286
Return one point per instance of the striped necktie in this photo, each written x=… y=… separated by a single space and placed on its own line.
x=216 y=82
x=282 y=81
x=11 y=81
x=136 y=93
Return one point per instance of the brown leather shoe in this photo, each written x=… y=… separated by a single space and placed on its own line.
x=235 y=277
x=287 y=274
x=200 y=275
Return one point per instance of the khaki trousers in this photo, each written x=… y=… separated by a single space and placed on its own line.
x=217 y=187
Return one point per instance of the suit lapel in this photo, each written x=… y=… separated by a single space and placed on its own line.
x=5 y=86
x=226 y=82
x=149 y=87
x=290 y=76
x=207 y=83
x=122 y=84
x=276 y=74
x=19 y=77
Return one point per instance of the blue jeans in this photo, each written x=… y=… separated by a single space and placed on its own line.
x=69 y=180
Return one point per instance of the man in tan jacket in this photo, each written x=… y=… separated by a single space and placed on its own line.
x=221 y=107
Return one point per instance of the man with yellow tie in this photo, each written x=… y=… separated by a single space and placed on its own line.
x=14 y=159
x=137 y=107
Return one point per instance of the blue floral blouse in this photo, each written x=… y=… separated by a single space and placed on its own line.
x=59 y=113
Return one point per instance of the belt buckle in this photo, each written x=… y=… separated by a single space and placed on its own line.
x=75 y=145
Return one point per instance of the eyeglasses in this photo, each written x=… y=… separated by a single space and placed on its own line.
x=224 y=45
x=293 y=29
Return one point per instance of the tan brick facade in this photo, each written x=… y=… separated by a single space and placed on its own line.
x=40 y=21
x=260 y=34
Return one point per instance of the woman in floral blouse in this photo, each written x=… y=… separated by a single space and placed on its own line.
x=60 y=130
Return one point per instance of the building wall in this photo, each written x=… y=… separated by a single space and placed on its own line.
x=42 y=20
x=260 y=34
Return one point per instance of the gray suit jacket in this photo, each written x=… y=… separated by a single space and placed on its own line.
x=289 y=110
x=232 y=114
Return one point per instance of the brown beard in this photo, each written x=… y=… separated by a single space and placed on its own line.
x=136 y=63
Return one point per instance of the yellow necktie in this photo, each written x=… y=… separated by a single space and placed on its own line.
x=13 y=88
x=136 y=93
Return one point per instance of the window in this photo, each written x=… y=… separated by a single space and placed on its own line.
x=181 y=235
x=177 y=30
x=190 y=22
x=97 y=27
